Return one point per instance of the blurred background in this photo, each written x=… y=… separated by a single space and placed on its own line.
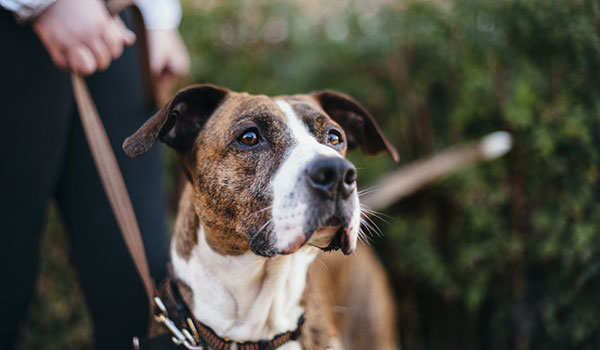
x=500 y=255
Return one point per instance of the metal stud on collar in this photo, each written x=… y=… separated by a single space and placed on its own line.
x=180 y=336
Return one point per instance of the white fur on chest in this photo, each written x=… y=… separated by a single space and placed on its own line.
x=246 y=297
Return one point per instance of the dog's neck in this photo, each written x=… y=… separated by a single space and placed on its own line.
x=245 y=297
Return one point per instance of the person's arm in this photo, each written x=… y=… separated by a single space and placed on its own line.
x=169 y=58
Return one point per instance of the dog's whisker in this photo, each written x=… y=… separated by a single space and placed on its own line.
x=261 y=210
x=367 y=213
x=381 y=216
x=360 y=237
x=264 y=226
x=363 y=237
x=367 y=190
x=377 y=214
x=376 y=230
x=371 y=226
x=370 y=188
x=322 y=263
x=366 y=232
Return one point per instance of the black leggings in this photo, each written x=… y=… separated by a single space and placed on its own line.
x=43 y=154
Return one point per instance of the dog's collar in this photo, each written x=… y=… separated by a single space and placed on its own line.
x=176 y=316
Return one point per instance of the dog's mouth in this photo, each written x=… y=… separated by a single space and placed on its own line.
x=324 y=236
x=332 y=235
x=341 y=241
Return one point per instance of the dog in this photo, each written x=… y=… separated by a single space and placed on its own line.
x=269 y=192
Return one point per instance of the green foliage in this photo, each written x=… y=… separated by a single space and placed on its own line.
x=503 y=255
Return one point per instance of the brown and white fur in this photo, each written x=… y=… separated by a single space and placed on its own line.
x=269 y=189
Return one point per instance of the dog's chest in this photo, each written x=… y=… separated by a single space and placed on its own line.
x=244 y=297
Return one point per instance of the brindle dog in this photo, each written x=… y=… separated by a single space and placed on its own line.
x=269 y=187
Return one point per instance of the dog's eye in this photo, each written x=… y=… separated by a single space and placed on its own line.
x=249 y=137
x=334 y=137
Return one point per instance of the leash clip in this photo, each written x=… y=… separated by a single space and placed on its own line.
x=180 y=336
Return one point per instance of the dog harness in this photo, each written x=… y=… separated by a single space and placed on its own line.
x=186 y=332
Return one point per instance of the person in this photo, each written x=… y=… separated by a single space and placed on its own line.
x=44 y=153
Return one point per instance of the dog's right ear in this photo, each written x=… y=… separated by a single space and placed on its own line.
x=179 y=121
x=358 y=124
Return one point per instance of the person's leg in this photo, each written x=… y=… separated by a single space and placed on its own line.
x=35 y=102
x=109 y=280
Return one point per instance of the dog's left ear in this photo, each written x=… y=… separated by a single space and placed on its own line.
x=360 y=127
x=179 y=121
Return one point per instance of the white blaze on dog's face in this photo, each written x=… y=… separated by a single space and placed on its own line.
x=314 y=192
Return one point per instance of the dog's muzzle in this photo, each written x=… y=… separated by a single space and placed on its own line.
x=333 y=180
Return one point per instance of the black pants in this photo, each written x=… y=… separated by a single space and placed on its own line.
x=44 y=154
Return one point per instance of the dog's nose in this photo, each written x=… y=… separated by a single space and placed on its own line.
x=332 y=176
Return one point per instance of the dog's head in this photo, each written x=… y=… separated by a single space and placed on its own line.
x=269 y=174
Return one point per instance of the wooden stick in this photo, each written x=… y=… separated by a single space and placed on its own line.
x=411 y=178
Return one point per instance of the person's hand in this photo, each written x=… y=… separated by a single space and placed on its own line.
x=81 y=35
x=169 y=59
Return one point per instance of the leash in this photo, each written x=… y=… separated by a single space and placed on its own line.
x=106 y=162
x=112 y=181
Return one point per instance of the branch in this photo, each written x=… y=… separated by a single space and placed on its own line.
x=411 y=178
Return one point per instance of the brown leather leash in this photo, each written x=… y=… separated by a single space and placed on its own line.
x=106 y=162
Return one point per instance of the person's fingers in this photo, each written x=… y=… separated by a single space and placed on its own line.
x=113 y=40
x=81 y=60
x=101 y=53
x=58 y=56
x=127 y=35
x=163 y=86
x=158 y=65
x=180 y=58
x=168 y=54
x=167 y=78
x=54 y=47
x=181 y=64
